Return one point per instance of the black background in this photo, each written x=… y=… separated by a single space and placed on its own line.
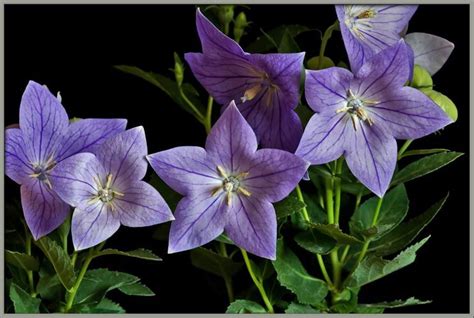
x=72 y=49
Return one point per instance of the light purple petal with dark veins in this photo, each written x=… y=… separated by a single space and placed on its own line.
x=17 y=157
x=371 y=155
x=186 y=169
x=326 y=90
x=273 y=174
x=200 y=218
x=142 y=205
x=93 y=225
x=431 y=51
x=252 y=225
x=324 y=137
x=43 y=121
x=87 y=134
x=409 y=114
x=44 y=211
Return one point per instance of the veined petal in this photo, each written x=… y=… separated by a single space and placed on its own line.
x=86 y=134
x=200 y=218
x=44 y=211
x=392 y=17
x=43 y=121
x=142 y=205
x=252 y=225
x=409 y=114
x=17 y=157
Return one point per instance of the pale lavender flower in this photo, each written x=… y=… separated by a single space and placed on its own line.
x=228 y=186
x=359 y=116
x=265 y=86
x=106 y=189
x=45 y=138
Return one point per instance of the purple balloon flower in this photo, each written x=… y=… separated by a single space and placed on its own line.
x=359 y=116
x=106 y=189
x=265 y=86
x=44 y=139
x=229 y=186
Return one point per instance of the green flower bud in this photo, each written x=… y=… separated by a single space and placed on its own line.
x=444 y=102
x=178 y=69
x=314 y=64
x=225 y=14
x=240 y=24
x=421 y=78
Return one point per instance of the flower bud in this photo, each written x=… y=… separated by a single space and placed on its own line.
x=239 y=26
x=444 y=102
x=225 y=14
x=421 y=78
x=178 y=69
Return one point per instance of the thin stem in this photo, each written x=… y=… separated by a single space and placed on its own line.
x=208 y=119
x=227 y=279
x=337 y=187
x=300 y=197
x=72 y=294
x=257 y=283
x=323 y=269
x=31 y=282
x=404 y=148
x=324 y=41
x=329 y=200
x=223 y=249
x=357 y=203
x=74 y=258
x=367 y=241
x=344 y=254
x=196 y=111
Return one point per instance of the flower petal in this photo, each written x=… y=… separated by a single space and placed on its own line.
x=17 y=157
x=43 y=121
x=142 y=205
x=93 y=225
x=44 y=211
x=252 y=225
x=186 y=169
x=431 y=51
x=200 y=218
x=409 y=114
x=86 y=134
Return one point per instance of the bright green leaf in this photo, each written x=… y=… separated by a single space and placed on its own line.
x=314 y=64
x=291 y=204
x=214 y=263
x=295 y=308
x=333 y=231
x=23 y=302
x=136 y=289
x=139 y=253
x=243 y=306
x=21 y=260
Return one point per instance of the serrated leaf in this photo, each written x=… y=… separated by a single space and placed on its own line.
x=136 y=289
x=214 y=263
x=314 y=64
x=374 y=267
x=59 y=259
x=422 y=152
x=292 y=275
x=315 y=213
x=106 y=306
x=21 y=260
x=288 y=43
x=397 y=303
x=315 y=242
x=243 y=306
x=295 y=308
x=23 y=302
x=271 y=39
x=139 y=253
x=333 y=231
x=291 y=204
x=49 y=287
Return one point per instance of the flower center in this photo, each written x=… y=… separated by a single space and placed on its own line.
x=105 y=193
x=357 y=21
x=263 y=83
x=231 y=184
x=356 y=108
x=41 y=170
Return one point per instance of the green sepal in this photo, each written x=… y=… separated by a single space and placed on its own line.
x=243 y=306
x=23 y=302
x=314 y=63
x=214 y=263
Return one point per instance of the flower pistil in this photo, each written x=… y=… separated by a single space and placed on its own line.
x=231 y=184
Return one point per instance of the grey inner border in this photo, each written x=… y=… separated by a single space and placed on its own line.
x=2 y=128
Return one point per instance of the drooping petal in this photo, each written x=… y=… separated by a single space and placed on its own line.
x=231 y=140
x=371 y=155
x=86 y=135
x=324 y=137
x=409 y=114
x=273 y=174
x=44 y=211
x=17 y=157
x=200 y=218
x=326 y=90
x=93 y=225
x=252 y=225
x=186 y=169
x=431 y=51
x=142 y=205
x=43 y=121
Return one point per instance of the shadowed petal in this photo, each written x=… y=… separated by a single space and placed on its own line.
x=44 y=211
x=43 y=121
x=186 y=169
x=252 y=226
x=86 y=134
x=409 y=114
x=93 y=225
x=142 y=205
x=17 y=158
x=200 y=218
x=431 y=51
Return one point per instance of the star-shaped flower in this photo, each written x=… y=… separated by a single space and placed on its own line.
x=359 y=116
x=106 y=189
x=228 y=186
x=265 y=86
x=45 y=138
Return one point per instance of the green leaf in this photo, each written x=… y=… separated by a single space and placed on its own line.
x=424 y=166
x=106 y=306
x=63 y=230
x=59 y=259
x=361 y=309
x=333 y=231
x=373 y=267
x=214 y=263
x=292 y=275
x=444 y=102
x=396 y=303
x=295 y=308
x=21 y=260
x=23 y=302
x=315 y=242
x=315 y=213
x=272 y=39
x=406 y=232
x=288 y=43
x=304 y=113
x=224 y=239
x=291 y=204
x=49 y=287
x=422 y=152
x=346 y=301
x=136 y=289
x=243 y=306
x=314 y=64
x=392 y=212
x=171 y=197
x=139 y=253
x=421 y=78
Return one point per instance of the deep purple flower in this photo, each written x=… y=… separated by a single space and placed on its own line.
x=229 y=186
x=44 y=139
x=265 y=86
x=106 y=189
x=359 y=116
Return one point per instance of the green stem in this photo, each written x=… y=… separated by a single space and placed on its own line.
x=227 y=279
x=208 y=119
x=196 y=111
x=257 y=283
x=324 y=41
x=367 y=241
x=337 y=186
x=300 y=197
x=344 y=254
x=74 y=258
x=404 y=148
x=30 y=273
x=329 y=200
